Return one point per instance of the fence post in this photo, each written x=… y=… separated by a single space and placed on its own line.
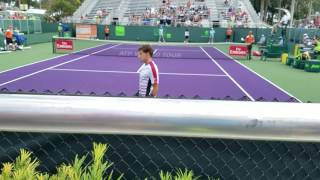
x=28 y=26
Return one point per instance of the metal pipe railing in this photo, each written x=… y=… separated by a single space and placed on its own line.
x=160 y=117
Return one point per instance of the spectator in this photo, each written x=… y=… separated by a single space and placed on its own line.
x=274 y=30
x=19 y=39
x=284 y=24
x=307 y=41
x=281 y=42
x=317 y=46
x=229 y=34
x=168 y=14
x=305 y=56
x=262 y=40
x=226 y=2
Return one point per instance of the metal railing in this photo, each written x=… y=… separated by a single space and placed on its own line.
x=160 y=117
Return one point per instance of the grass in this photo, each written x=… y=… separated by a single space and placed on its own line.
x=37 y=53
x=299 y=83
x=303 y=85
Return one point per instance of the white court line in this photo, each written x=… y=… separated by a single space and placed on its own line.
x=52 y=58
x=128 y=72
x=179 y=50
x=51 y=67
x=231 y=78
x=262 y=77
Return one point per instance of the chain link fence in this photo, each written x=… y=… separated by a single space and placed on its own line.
x=140 y=157
x=25 y=26
x=64 y=92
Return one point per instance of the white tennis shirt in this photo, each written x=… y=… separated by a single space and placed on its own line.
x=148 y=76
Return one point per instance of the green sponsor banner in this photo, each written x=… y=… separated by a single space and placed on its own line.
x=205 y=34
x=120 y=31
x=315 y=66
x=156 y=32
x=169 y=35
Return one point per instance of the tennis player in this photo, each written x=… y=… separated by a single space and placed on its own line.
x=149 y=74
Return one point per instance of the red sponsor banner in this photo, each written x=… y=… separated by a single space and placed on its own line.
x=64 y=44
x=238 y=50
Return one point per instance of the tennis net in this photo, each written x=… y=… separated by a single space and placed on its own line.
x=130 y=49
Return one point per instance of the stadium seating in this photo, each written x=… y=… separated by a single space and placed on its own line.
x=131 y=11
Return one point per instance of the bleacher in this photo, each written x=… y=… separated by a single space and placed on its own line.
x=124 y=10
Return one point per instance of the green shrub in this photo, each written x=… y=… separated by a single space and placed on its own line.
x=25 y=168
x=180 y=175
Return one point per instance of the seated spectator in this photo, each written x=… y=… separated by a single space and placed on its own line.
x=307 y=41
x=262 y=40
x=226 y=2
x=317 y=46
x=9 y=39
x=281 y=42
x=20 y=39
x=305 y=56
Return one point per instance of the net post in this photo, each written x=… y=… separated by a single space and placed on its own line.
x=53 y=45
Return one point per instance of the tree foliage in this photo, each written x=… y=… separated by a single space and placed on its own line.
x=303 y=8
x=57 y=9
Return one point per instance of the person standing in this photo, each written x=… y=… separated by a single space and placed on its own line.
x=148 y=73
x=161 y=34
x=229 y=34
x=250 y=41
x=60 y=30
x=284 y=24
x=211 y=35
x=107 y=32
x=186 y=36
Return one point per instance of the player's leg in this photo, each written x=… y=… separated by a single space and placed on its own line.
x=250 y=51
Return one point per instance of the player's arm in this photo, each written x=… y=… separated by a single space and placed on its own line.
x=154 y=76
x=155 y=90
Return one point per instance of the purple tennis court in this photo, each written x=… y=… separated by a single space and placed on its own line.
x=189 y=72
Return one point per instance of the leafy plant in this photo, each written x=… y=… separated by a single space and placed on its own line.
x=180 y=175
x=25 y=168
x=165 y=176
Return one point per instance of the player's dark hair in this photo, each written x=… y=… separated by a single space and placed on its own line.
x=146 y=49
